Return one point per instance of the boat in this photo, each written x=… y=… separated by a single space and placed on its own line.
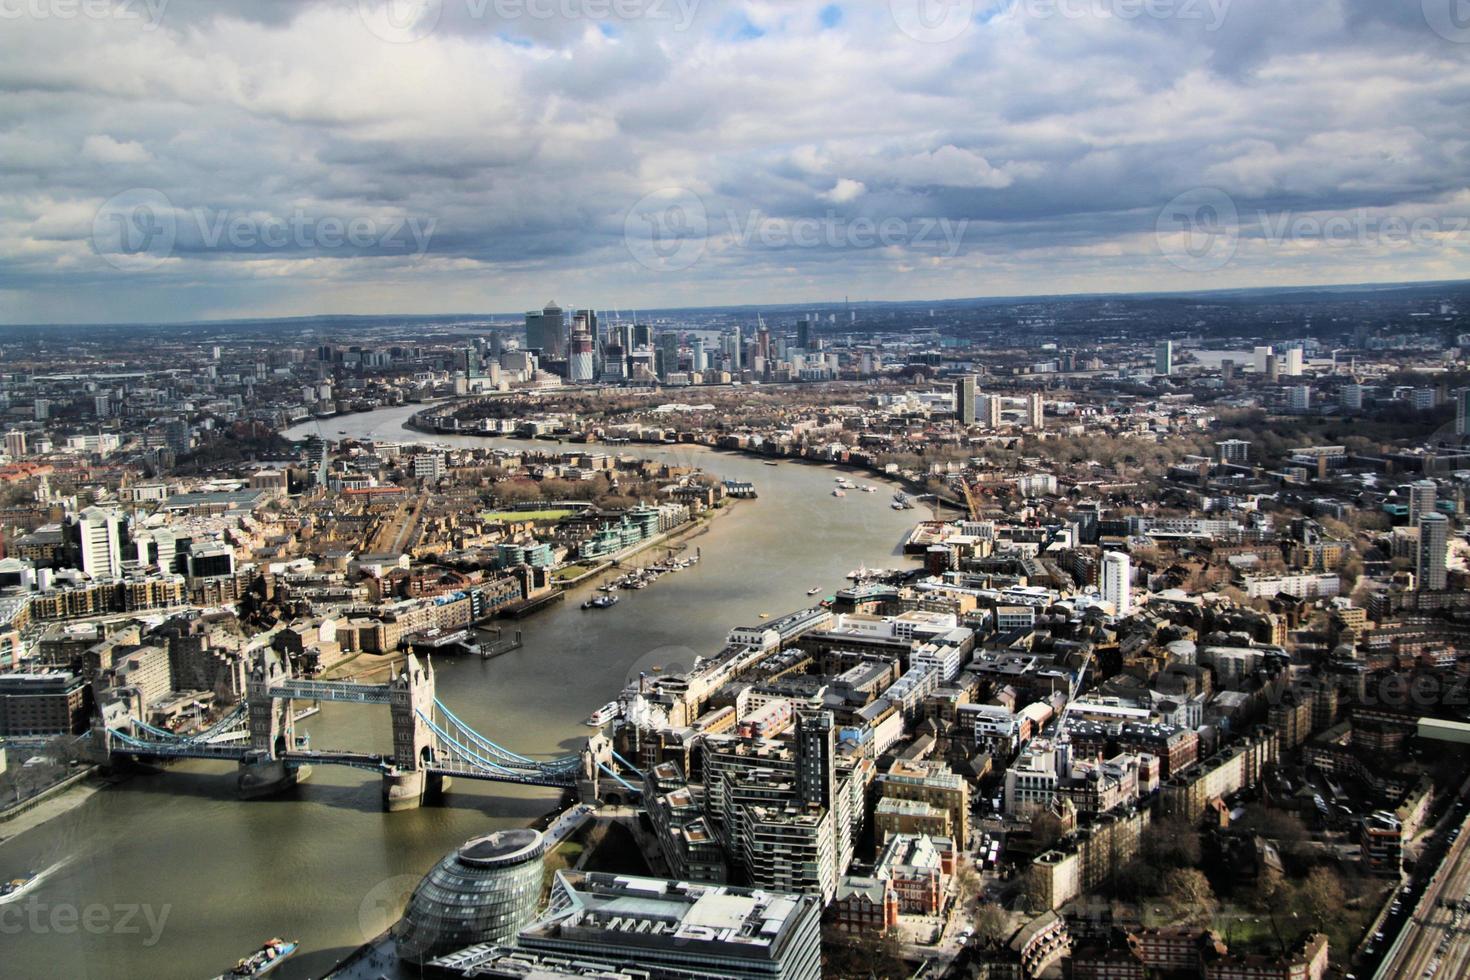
x=270 y=955
x=870 y=489
x=772 y=463
x=601 y=602
x=604 y=714
x=897 y=506
x=838 y=493
x=765 y=615
x=15 y=887
x=813 y=591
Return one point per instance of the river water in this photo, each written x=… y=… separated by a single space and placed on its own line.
x=170 y=875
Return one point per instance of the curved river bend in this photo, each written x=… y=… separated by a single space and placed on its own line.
x=170 y=875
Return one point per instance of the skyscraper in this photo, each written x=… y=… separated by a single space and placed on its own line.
x=964 y=399
x=816 y=749
x=1434 y=537
x=1462 y=412
x=15 y=444
x=1422 y=494
x=1164 y=358
x=546 y=331
x=582 y=368
x=1035 y=411
x=804 y=334
x=1117 y=575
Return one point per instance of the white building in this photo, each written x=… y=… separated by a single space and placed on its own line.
x=1117 y=577
x=101 y=546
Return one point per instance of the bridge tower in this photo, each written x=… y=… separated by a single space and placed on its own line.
x=264 y=770
x=410 y=703
x=596 y=753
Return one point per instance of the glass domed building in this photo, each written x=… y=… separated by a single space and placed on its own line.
x=484 y=892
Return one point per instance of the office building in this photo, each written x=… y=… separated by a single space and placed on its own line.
x=964 y=399
x=1299 y=399
x=816 y=749
x=1164 y=358
x=1462 y=412
x=665 y=928
x=15 y=444
x=1116 y=579
x=546 y=331
x=484 y=892
x=100 y=546
x=1291 y=362
x=1259 y=356
x=1434 y=531
x=43 y=704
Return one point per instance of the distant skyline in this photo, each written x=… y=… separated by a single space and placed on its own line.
x=184 y=160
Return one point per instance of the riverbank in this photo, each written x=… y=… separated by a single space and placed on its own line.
x=62 y=798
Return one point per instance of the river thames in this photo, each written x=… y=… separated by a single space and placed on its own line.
x=171 y=876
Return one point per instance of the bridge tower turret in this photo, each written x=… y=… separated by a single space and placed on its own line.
x=264 y=770
x=596 y=754
x=410 y=705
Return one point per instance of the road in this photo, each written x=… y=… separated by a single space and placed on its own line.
x=1435 y=941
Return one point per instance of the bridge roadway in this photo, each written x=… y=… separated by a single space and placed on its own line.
x=1434 y=943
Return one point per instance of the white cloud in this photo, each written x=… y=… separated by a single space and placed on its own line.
x=526 y=140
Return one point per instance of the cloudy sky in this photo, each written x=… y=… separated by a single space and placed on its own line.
x=191 y=159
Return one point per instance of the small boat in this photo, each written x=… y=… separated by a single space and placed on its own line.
x=15 y=887
x=870 y=489
x=772 y=463
x=813 y=591
x=601 y=602
x=765 y=615
x=897 y=506
x=271 y=955
x=838 y=493
x=604 y=714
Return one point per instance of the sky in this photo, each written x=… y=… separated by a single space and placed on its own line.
x=170 y=160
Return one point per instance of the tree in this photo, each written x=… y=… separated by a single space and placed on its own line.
x=1188 y=893
x=1320 y=896
x=967 y=883
x=992 y=924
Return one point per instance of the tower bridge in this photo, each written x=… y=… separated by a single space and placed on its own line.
x=430 y=743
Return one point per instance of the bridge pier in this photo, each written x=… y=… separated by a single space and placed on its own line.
x=268 y=777
x=409 y=789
